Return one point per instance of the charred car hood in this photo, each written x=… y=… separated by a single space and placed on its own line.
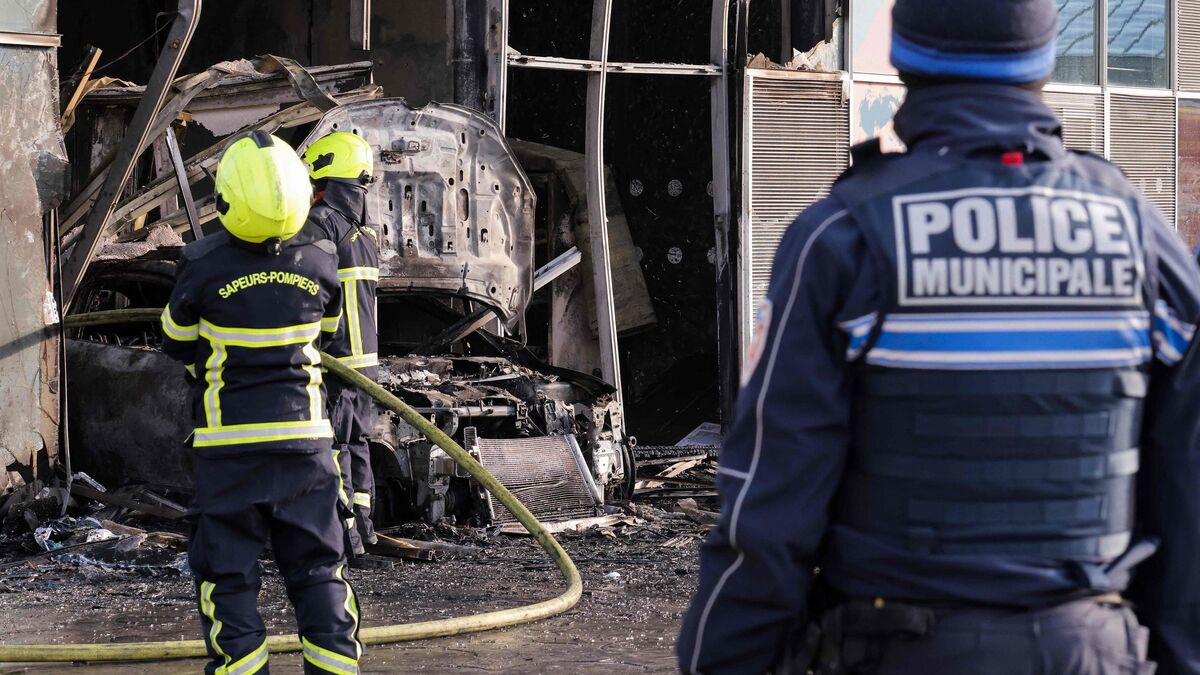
x=455 y=211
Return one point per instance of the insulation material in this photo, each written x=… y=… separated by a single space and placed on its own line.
x=224 y=121
x=634 y=307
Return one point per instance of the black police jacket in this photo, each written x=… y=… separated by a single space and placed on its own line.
x=969 y=356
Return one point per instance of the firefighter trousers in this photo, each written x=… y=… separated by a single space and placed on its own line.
x=290 y=501
x=352 y=413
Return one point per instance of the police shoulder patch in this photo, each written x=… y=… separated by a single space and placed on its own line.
x=758 y=343
x=867 y=150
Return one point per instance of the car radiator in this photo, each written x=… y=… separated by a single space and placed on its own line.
x=547 y=474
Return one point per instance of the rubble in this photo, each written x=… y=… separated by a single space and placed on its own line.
x=692 y=475
x=92 y=603
x=27 y=506
x=605 y=526
x=69 y=531
x=159 y=236
x=89 y=539
x=154 y=506
x=438 y=548
x=129 y=553
x=401 y=548
x=689 y=508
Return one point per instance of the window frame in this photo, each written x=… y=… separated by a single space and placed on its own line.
x=1099 y=48
x=1169 y=41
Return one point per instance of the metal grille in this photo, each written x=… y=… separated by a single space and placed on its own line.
x=1188 y=51
x=542 y=473
x=1142 y=143
x=1082 y=116
x=796 y=142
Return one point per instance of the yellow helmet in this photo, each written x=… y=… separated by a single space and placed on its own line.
x=262 y=189
x=340 y=155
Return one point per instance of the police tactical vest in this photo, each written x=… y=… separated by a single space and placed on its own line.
x=999 y=400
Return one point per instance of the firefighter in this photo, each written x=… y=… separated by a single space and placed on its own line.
x=341 y=167
x=249 y=309
x=970 y=408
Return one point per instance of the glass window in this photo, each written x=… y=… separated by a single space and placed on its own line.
x=1076 y=62
x=1137 y=43
x=1189 y=172
x=872 y=36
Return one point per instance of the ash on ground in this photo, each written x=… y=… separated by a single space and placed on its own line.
x=638 y=565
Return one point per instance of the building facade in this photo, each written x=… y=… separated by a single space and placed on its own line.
x=1127 y=86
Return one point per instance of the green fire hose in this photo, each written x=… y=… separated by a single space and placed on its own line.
x=155 y=651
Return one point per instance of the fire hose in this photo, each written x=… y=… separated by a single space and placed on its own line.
x=375 y=635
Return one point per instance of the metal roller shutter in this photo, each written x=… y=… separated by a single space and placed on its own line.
x=1188 y=50
x=796 y=141
x=1082 y=116
x=1142 y=143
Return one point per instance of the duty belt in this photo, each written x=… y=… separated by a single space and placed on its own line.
x=851 y=637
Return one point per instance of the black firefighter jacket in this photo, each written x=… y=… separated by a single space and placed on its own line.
x=248 y=325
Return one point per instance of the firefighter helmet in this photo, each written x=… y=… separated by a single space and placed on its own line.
x=262 y=191
x=341 y=155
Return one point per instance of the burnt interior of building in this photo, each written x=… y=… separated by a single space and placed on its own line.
x=657 y=130
x=657 y=138
x=677 y=373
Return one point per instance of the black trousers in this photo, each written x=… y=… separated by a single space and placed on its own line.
x=1077 y=638
x=352 y=413
x=291 y=501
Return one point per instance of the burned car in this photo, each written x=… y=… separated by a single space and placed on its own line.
x=456 y=216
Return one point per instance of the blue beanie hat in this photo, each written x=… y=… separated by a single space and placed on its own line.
x=1005 y=41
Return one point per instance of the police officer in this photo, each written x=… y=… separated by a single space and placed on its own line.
x=341 y=166
x=971 y=401
x=249 y=308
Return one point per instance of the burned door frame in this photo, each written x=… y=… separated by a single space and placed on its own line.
x=597 y=67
